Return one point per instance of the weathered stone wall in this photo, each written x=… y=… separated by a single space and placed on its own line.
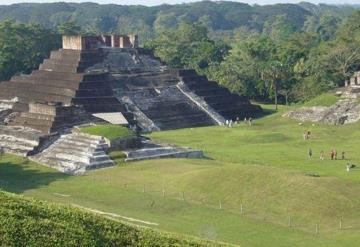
x=73 y=43
x=44 y=109
x=92 y=42
x=134 y=40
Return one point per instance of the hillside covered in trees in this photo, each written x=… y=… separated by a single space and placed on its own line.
x=222 y=18
x=289 y=52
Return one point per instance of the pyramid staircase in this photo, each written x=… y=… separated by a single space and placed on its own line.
x=76 y=153
x=62 y=79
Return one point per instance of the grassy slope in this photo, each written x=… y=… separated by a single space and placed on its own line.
x=326 y=99
x=25 y=222
x=108 y=131
x=262 y=167
x=105 y=190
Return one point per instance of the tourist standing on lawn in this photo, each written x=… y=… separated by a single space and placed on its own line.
x=305 y=135
x=310 y=153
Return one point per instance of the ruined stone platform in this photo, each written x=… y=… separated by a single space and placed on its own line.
x=21 y=141
x=150 y=150
x=76 y=153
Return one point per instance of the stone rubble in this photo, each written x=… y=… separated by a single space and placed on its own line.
x=343 y=112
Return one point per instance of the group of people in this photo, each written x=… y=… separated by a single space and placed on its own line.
x=333 y=154
x=230 y=123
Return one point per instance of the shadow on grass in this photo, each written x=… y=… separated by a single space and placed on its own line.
x=265 y=112
x=18 y=177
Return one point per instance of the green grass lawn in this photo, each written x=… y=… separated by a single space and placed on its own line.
x=326 y=99
x=263 y=168
x=109 y=131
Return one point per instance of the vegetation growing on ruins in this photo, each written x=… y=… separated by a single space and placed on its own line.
x=109 y=131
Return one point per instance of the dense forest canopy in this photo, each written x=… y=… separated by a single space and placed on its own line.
x=287 y=51
x=220 y=17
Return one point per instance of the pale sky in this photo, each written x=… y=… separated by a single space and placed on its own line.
x=158 y=2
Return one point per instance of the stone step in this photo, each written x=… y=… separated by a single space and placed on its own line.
x=175 y=154
x=82 y=144
x=25 y=86
x=31 y=96
x=19 y=141
x=56 y=75
x=60 y=68
x=95 y=92
x=25 y=134
x=151 y=151
x=62 y=165
x=100 y=158
x=75 y=153
x=55 y=83
x=100 y=164
x=64 y=147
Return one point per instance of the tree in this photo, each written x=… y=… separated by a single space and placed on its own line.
x=69 y=28
x=272 y=73
x=188 y=46
x=23 y=47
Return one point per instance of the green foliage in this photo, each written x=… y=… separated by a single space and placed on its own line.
x=317 y=46
x=25 y=222
x=117 y=156
x=23 y=47
x=109 y=131
x=69 y=28
x=222 y=18
x=188 y=46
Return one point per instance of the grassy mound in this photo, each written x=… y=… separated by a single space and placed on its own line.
x=326 y=99
x=108 y=131
x=25 y=222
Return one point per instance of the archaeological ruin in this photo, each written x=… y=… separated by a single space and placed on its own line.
x=107 y=74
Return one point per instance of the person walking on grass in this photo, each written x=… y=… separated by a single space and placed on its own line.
x=335 y=154
x=348 y=166
x=342 y=155
x=322 y=155
x=308 y=134
x=310 y=153
x=305 y=135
